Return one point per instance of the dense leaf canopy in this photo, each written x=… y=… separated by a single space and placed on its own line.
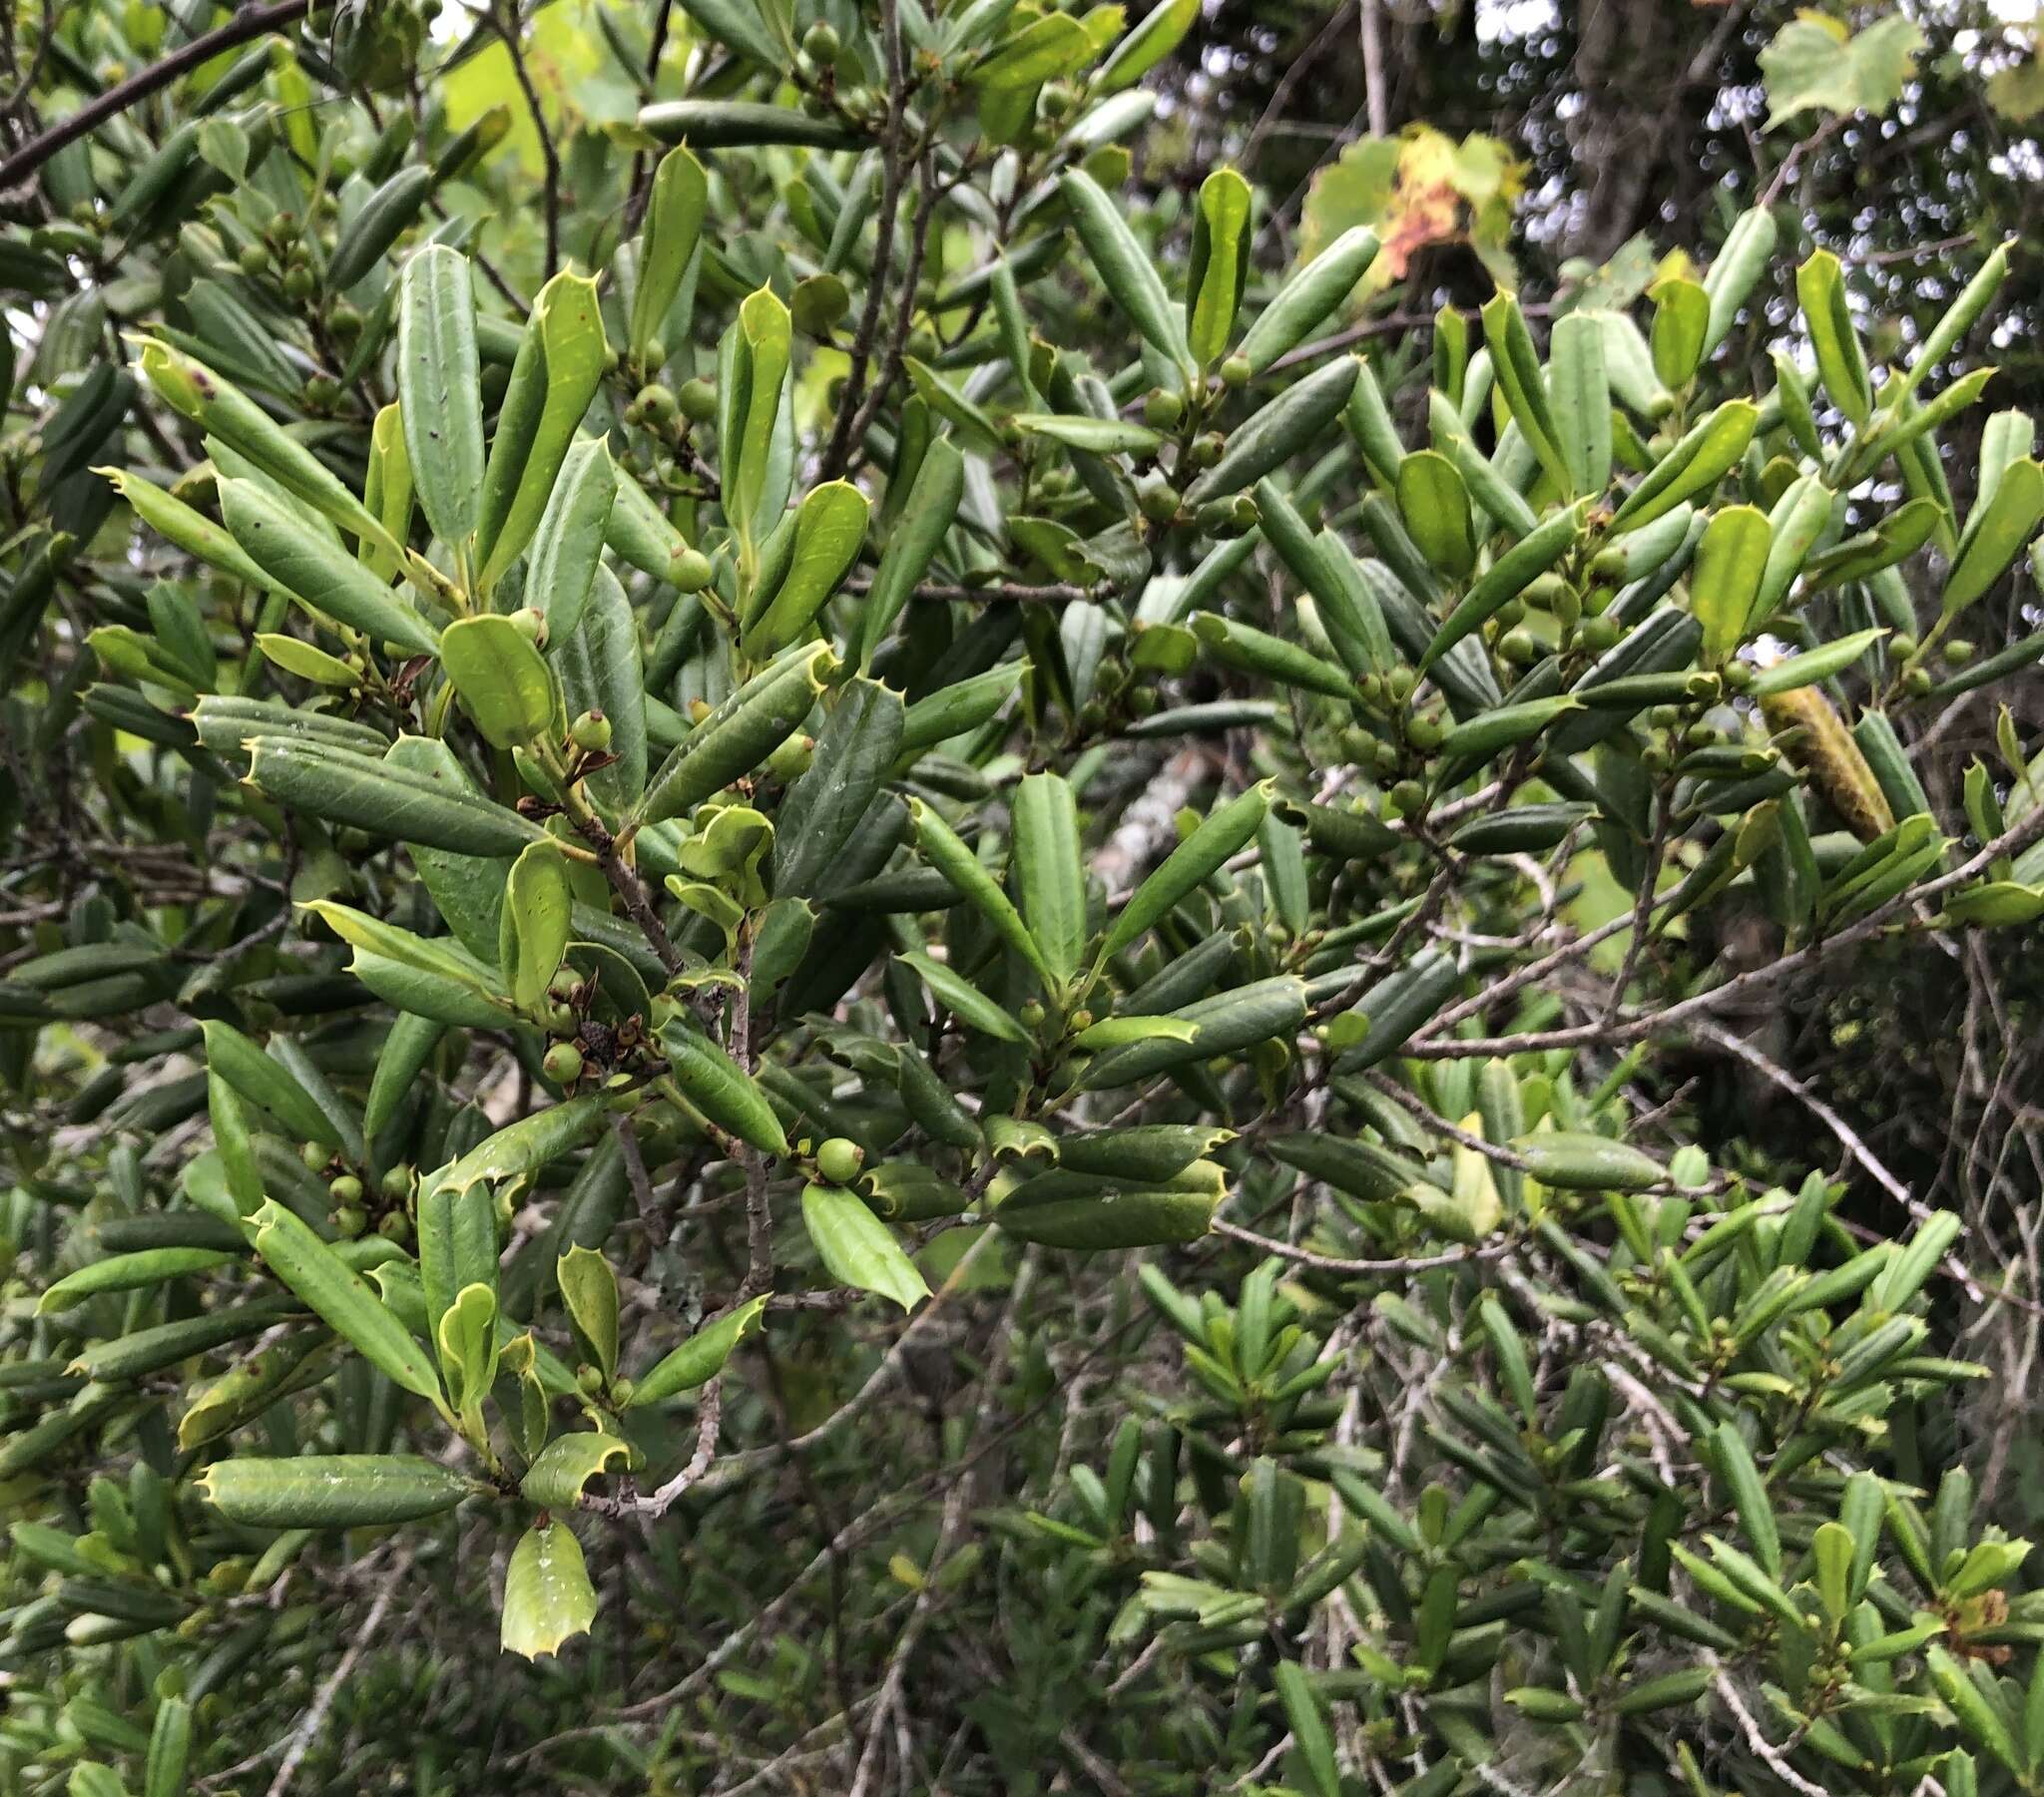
x=877 y=915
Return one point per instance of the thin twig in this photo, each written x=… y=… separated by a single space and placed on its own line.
x=145 y=82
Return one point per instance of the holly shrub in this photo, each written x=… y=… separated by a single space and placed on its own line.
x=799 y=911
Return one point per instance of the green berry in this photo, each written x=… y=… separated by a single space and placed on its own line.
x=1161 y=408
x=1410 y=798
x=315 y=1154
x=1519 y=648
x=621 y=1392
x=350 y=1220
x=563 y=987
x=657 y=403
x=822 y=41
x=1236 y=372
x=1957 y=652
x=1917 y=681
x=252 y=260
x=697 y=399
x=1031 y=1013
x=347 y=1190
x=1600 y=634
x=531 y=624
x=1424 y=733
x=394 y=1227
x=298 y=283
x=397 y=1181
x=692 y=571
x=1738 y=676
x=589 y=1379
x=840 y=1158
x=1901 y=645
x=1158 y=499
x=591 y=732
x=562 y=1063
x=1207 y=448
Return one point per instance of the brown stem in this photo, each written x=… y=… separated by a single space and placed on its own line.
x=145 y=82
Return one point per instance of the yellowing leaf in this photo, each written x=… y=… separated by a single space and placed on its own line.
x=1413 y=189
x=1815 y=63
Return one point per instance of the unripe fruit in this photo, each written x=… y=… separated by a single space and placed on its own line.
x=621 y=1392
x=1207 y=448
x=1161 y=408
x=1158 y=499
x=298 y=283
x=1917 y=681
x=347 y=1190
x=697 y=400
x=321 y=390
x=690 y=572
x=1519 y=648
x=343 y=319
x=1410 y=796
x=590 y=1379
x=350 y=1220
x=1424 y=733
x=1901 y=645
x=315 y=1154
x=395 y=1226
x=655 y=356
x=564 y=985
x=531 y=624
x=562 y=1063
x=561 y=1018
x=252 y=260
x=1600 y=634
x=840 y=1158
x=792 y=759
x=1738 y=676
x=1031 y=1013
x=822 y=41
x=1235 y=372
x=591 y=732
x=1957 y=652
x=657 y=403
x=397 y=1181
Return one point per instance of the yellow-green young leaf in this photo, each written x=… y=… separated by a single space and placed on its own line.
x=1816 y=62
x=539 y=900
x=342 y=1299
x=307 y=662
x=934 y=493
x=1219 y=264
x=1049 y=870
x=589 y=1290
x=559 y=368
x=457 y=1239
x=232 y=1057
x=522 y=1149
x=751 y=374
x=741 y=733
x=1572 y=1160
x=1436 y=505
x=331 y=1491
x=129 y=1273
x=1579 y=393
x=300 y=557
x=1737 y=271
x=1995 y=535
x=830 y=528
x=721 y=1090
x=1309 y=297
x=431 y=976
x=556 y=1479
x=567 y=548
x=1682 y=328
x=1703 y=456
x=1221 y=835
x=1516 y=366
x=169 y=1749
x=1127 y=272
x=1039 y=51
x=388 y=486
x=235 y=1144
x=1828 y=316
x=223 y=410
x=856 y=1249
x=674 y=222
x=503 y=683
x=942 y=849
x=439 y=388
x=1161 y=31
x=1833 y=1549
x=964 y=1000
x=466 y=1338
x=701 y=1357
x=548 y=1598
x=192 y=531
x=1726 y=578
